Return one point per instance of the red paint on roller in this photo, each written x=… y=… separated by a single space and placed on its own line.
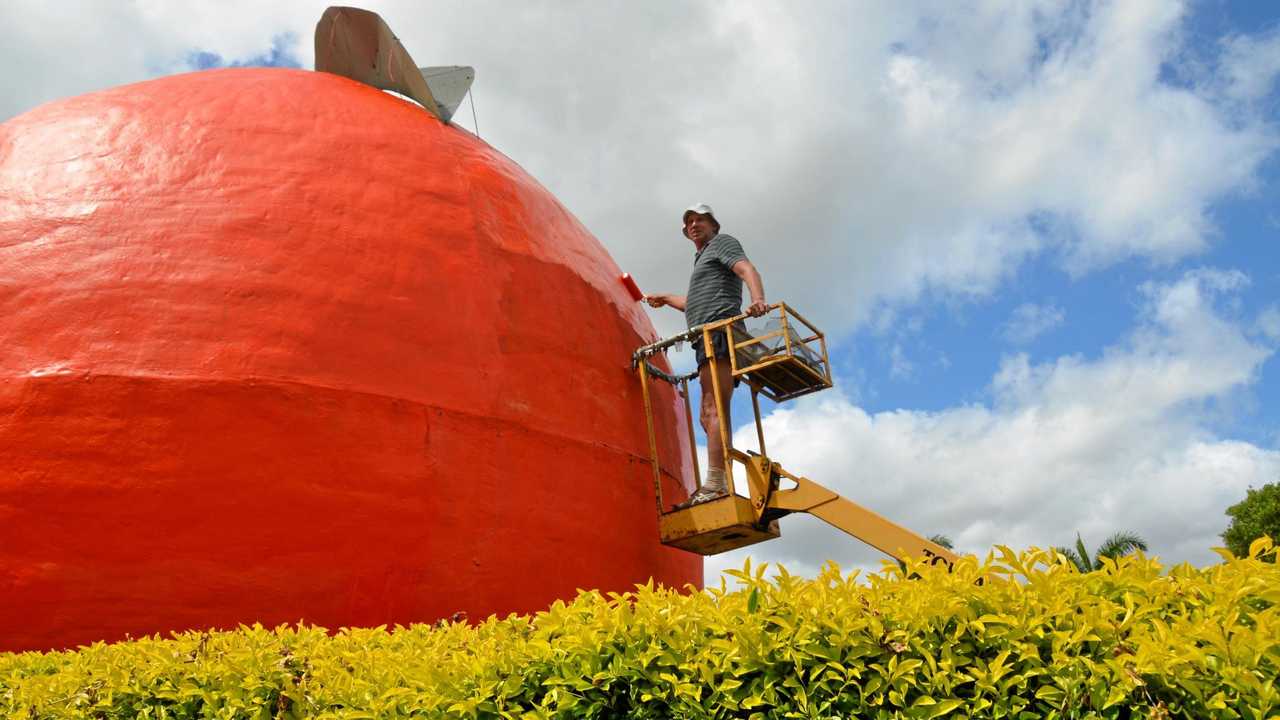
x=632 y=287
x=277 y=346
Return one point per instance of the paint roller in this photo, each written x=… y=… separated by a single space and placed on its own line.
x=632 y=288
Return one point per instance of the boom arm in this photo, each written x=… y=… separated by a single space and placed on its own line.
x=734 y=521
x=835 y=510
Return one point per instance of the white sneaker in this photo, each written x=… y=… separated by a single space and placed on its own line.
x=713 y=489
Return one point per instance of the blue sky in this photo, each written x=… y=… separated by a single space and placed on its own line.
x=955 y=346
x=1099 y=306
x=282 y=53
x=1042 y=236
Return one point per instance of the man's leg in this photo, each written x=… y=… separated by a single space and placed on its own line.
x=716 y=483
x=710 y=418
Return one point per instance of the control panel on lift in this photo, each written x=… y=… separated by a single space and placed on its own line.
x=781 y=356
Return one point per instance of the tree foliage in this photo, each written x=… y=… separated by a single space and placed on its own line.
x=1257 y=515
x=1118 y=545
x=937 y=539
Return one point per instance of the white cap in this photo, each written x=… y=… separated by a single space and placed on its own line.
x=701 y=209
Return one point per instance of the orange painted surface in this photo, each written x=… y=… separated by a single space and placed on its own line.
x=277 y=346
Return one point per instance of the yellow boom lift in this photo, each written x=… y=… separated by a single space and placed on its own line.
x=785 y=361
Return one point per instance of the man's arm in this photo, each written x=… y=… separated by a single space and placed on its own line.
x=745 y=270
x=657 y=301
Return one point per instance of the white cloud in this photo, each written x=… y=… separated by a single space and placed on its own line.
x=54 y=50
x=1250 y=66
x=864 y=154
x=1120 y=442
x=1269 y=322
x=900 y=368
x=1029 y=321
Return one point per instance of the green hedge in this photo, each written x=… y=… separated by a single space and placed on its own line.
x=1131 y=640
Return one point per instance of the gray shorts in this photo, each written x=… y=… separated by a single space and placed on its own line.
x=719 y=344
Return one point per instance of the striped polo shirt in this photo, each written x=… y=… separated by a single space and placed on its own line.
x=715 y=292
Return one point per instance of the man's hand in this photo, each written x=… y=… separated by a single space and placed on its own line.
x=665 y=300
x=757 y=308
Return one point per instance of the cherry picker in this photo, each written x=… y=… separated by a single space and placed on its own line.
x=785 y=361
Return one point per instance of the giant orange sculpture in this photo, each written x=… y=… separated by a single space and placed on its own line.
x=278 y=346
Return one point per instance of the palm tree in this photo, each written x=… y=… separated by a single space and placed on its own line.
x=1122 y=543
x=938 y=539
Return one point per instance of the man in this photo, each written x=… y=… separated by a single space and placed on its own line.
x=715 y=293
